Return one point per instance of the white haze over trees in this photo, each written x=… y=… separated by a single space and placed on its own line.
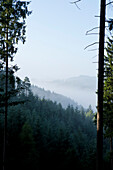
x=81 y=89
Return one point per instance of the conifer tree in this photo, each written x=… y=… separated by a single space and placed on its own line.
x=100 y=86
x=12 y=29
x=108 y=94
x=26 y=85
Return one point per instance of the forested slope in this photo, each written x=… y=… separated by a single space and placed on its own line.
x=55 y=97
x=43 y=134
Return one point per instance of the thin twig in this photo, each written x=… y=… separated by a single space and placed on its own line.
x=75 y=2
x=95 y=62
x=94 y=56
x=97 y=16
x=91 y=30
x=95 y=49
x=92 y=33
x=91 y=45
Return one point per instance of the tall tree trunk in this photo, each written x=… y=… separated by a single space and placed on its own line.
x=6 y=106
x=100 y=88
x=111 y=150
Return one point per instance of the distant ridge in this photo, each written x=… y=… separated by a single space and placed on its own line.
x=81 y=82
x=81 y=89
x=58 y=98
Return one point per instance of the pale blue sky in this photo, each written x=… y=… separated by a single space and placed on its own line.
x=56 y=39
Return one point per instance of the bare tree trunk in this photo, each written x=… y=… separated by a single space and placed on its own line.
x=6 y=107
x=100 y=88
x=111 y=150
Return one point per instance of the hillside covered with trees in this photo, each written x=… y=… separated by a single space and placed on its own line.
x=43 y=134
x=55 y=97
x=37 y=132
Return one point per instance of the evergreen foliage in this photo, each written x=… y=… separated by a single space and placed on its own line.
x=108 y=89
x=43 y=134
x=12 y=29
x=108 y=96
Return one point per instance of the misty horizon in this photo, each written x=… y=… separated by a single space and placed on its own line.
x=72 y=88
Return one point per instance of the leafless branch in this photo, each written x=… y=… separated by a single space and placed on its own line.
x=95 y=49
x=91 y=45
x=94 y=56
x=95 y=62
x=92 y=33
x=91 y=30
x=97 y=16
x=75 y=2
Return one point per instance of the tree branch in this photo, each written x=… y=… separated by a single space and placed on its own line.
x=94 y=56
x=95 y=49
x=95 y=62
x=75 y=2
x=92 y=33
x=91 y=30
x=91 y=45
x=97 y=16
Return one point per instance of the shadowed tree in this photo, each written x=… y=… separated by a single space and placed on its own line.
x=108 y=95
x=26 y=85
x=100 y=87
x=27 y=147
x=100 y=83
x=12 y=29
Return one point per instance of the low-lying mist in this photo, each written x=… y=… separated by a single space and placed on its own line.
x=81 y=89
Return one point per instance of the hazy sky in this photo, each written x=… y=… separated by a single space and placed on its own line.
x=56 y=39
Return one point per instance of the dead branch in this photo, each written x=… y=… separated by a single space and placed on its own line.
x=95 y=62
x=95 y=56
x=95 y=49
x=97 y=16
x=92 y=33
x=75 y=2
x=91 y=45
x=91 y=30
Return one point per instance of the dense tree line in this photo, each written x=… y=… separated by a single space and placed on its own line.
x=39 y=133
x=47 y=94
x=43 y=134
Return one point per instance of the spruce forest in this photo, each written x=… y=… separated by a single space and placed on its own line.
x=37 y=133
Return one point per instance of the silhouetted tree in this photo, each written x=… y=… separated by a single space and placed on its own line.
x=100 y=87
x=12 y=29
x=108 y=95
